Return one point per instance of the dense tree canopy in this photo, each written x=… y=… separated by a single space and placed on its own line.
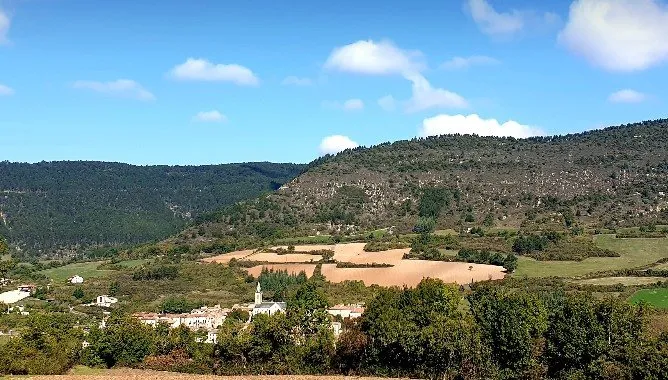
x=49 y=205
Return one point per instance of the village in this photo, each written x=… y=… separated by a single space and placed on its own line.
x=210 y=319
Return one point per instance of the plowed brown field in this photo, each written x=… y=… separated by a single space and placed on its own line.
x=403 y=272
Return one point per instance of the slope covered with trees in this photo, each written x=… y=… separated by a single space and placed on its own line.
x=53 y=205
x=613 y=177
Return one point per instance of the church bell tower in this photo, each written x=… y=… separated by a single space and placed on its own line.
x=258 y=294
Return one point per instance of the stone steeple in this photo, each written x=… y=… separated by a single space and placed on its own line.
x=258 y=294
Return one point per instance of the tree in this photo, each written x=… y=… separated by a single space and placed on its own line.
x=124 y=341
x=512 y=326
x=114 y=288
x=78 y=293
x=4 y=248
x=327 y=255
x=307 y=309
x=425 y=225
x=510 y=263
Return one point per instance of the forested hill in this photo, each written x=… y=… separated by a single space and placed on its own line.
x=601 y=178
x=50 y=205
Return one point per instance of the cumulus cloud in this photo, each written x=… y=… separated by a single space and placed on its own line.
x=353 y=105
x=210 y=117
x=426 y=97
x=627 y=96
x=125 y=88
x=197 y=69
x=374 y=58
x=296 y=81
x=387 y=102
x=473 y=124
x=336 y=143
x=618 y=35
x=5 y=22
x=6 y=90
x=384 y=58
x=457 y=63
x=495 y=23
x=492 y=22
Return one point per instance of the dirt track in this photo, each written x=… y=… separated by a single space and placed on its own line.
x=133 y=374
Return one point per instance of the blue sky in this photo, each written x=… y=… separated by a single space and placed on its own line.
x=201 y=82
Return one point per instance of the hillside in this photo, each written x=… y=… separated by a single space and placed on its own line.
x=52 y=205
x=613 y=177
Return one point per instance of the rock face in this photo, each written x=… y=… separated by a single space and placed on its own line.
x=611 y=177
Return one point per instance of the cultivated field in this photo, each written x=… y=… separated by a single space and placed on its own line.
x=402 y=272
x=634 y=253
x=135 y=374
x=411 y=272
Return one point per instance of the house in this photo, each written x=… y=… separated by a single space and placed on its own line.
x=104 y=301
x=209 y=318
x=76 y=279
x=28 y=289
x=270 y=308
x=347 y=311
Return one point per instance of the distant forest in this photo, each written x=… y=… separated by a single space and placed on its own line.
x=49 y=206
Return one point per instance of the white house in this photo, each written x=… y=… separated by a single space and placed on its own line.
x=347 y=311
x=105 y=301
x=76 y=279
x=270 y=308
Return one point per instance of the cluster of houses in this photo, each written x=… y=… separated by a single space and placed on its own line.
x=210 y=318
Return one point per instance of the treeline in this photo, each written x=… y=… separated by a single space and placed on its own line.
x=422 y=333
x=52 y=205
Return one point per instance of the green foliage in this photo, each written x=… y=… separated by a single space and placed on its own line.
x=529 y=244
x=433 y=201
x=4 y=248
x=307 y=308
x=425 y=225
x=124 y=341
x=89 y=203
x=48 y=346
x=78 y=293
x=156 y=272
x=512 y=325
x=420 y=332
x=178 y=305
x=278 y=282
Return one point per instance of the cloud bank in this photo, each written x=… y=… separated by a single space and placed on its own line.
x=473 y=124
x=336 y=143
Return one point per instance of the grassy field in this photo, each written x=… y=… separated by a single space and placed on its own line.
x=626 y=281
x=634 y=253
x=85 y=270
x=657 y=297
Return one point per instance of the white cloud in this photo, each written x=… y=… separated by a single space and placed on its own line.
x=627 y=96
x=353 y=105
x=387 y=102
x=618 y=35
x=426 y=97
x=348 y=105
x=384 y=58
x=125 y=88
x=196 y=69
x=464 y=62
x=473 y=124
x=495 y=23
x=296 y=81
x=210 y=117
x=336 y=143
x=492 y=22
x=374 y=58
x=5 y=22
x=5 y=90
